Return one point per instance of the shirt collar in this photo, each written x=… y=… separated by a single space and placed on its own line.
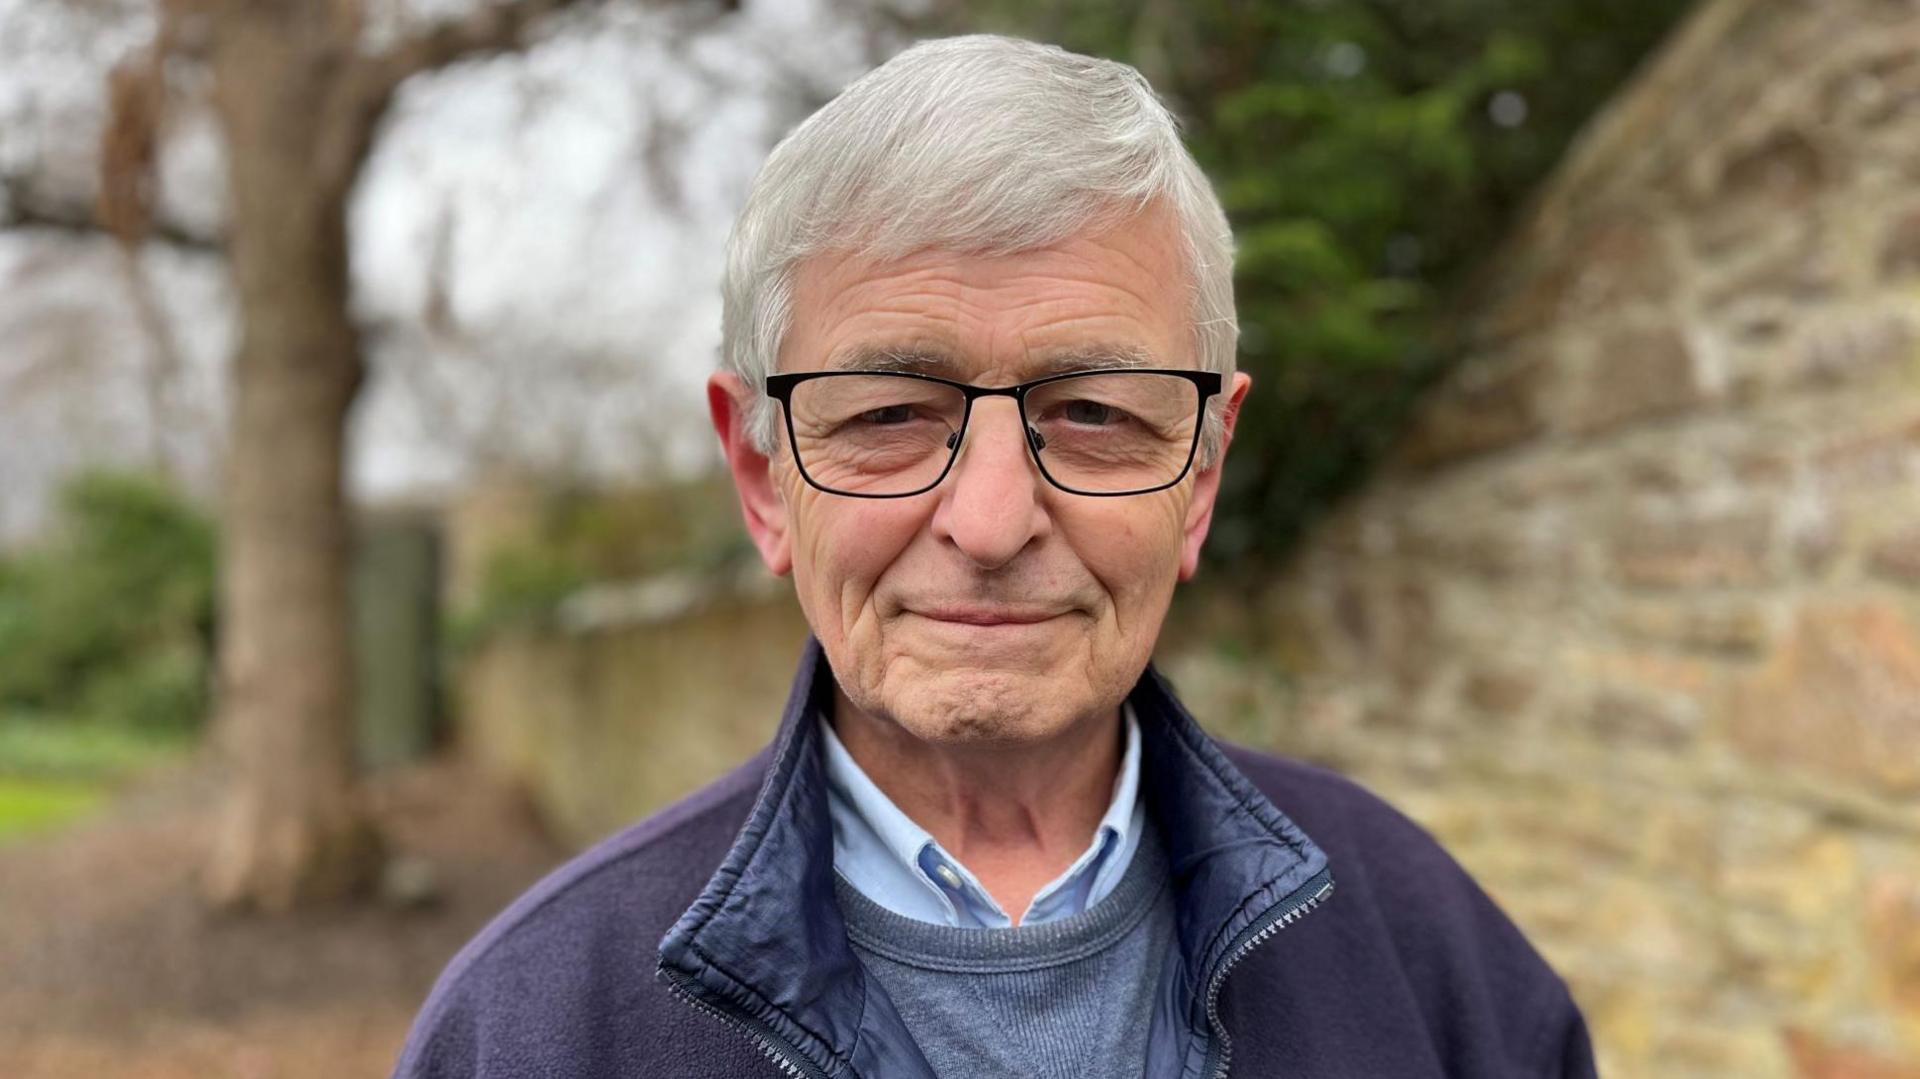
x=898 y=864
x=765 y=944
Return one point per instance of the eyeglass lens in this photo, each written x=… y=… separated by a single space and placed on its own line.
x=1108 y=432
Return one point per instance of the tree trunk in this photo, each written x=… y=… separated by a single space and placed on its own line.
x=298 y=102
x=293 y=830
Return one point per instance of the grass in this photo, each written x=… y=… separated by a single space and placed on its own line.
x=53 y=772
x=29 y=806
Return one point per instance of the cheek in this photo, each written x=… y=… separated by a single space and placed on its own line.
x=842 y=546
x=1133 y=550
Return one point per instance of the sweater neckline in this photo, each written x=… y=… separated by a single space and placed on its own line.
x=1007 y=949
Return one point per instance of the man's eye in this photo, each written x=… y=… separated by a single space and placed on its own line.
x=1091 y=413
x=887 y=414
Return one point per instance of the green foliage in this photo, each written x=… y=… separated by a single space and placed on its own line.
x=111 y=620
x=520 y=587
x=582 y=536
x=1370 y=154
x=81 y=752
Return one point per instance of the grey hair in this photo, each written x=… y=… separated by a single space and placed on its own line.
x=981 y=144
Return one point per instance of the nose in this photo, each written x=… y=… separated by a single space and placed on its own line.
x=991 y=504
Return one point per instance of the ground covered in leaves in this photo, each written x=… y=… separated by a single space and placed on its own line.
x=110 y=965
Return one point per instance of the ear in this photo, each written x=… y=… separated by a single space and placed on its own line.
x=729 y=401
x=1206 y=483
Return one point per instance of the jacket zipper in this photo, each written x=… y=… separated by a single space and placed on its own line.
x=771 y=1045
x=1277 y=917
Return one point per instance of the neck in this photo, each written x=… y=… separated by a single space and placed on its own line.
x=1016 y=814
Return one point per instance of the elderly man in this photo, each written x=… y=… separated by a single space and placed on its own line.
x=979 y=385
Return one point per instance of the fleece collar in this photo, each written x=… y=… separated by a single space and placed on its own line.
x=766 y=945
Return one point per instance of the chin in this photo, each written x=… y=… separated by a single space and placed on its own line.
x=973 y=705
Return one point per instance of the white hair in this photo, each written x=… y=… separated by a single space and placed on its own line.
x=978 y=144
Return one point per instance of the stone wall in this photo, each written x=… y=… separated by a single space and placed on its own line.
x=603 y=724
x=1632 y=621
x=621 y=695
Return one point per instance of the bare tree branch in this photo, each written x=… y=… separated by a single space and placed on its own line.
x=164 y=362
x=369 y=85
x=130 y=141
x=22 y=209
x=495 y=27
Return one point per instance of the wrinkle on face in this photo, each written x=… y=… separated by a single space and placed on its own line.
x=862 y=566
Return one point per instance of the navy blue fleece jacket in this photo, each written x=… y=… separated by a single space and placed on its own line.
x=1322 y=934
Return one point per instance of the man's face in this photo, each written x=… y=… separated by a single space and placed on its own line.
x=994 y=607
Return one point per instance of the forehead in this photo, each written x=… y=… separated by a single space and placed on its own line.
x=1112 y=298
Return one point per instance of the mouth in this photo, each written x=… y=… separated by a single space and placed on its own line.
x=986 y=616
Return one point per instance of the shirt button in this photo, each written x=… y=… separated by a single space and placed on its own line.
x=945 y=872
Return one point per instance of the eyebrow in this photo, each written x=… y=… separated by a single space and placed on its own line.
x=918 y=360
x=931 y=361
x=1092 y=358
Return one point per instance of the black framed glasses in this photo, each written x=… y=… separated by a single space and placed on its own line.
x=893 y=434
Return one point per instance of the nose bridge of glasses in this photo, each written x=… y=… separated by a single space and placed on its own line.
x=1015 y=400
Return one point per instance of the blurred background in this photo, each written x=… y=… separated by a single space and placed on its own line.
x=363 y=553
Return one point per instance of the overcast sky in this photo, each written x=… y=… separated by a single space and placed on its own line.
x=565 y=206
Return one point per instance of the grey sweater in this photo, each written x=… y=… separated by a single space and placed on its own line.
x=1066 y=999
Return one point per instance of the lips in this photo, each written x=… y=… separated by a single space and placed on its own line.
x=986 y=616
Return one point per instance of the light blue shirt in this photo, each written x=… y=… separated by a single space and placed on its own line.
x=897 y=864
